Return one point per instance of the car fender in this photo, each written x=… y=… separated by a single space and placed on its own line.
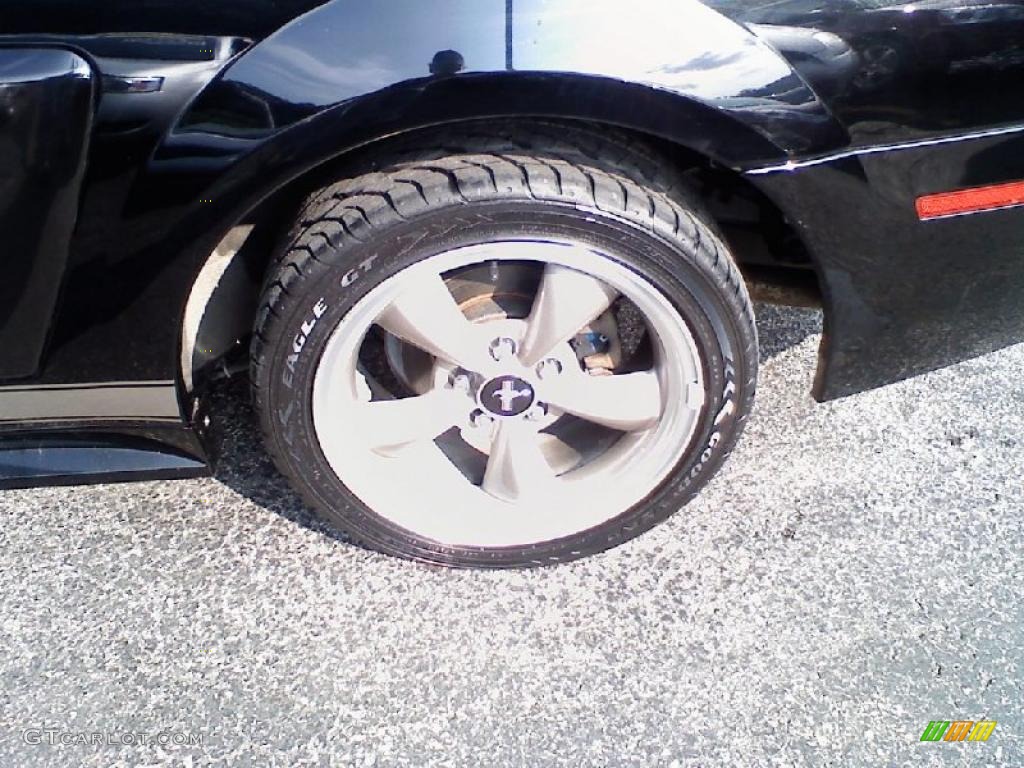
x=347 y=73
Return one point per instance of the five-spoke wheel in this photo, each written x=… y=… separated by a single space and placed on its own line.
x=509 y=430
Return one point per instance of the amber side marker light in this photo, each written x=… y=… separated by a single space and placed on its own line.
x=974 y=200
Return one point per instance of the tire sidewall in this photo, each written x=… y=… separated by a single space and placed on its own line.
x=316 y=304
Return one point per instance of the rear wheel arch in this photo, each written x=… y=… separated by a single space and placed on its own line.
x=756 y=229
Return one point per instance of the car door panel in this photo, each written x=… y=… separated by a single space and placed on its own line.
x=46 y=110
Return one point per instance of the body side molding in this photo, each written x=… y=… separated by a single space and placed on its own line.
x=134 y=401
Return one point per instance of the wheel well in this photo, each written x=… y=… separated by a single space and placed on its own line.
x=771 y=255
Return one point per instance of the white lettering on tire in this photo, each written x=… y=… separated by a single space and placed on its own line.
x=299 y=342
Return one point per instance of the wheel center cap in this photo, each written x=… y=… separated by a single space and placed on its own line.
x=507 y=396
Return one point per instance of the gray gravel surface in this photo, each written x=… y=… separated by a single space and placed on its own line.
x=853 y=573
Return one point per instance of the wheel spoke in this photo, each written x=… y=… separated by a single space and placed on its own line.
x=566 y=301
x=390 y=424
x=426 y=315
x=517 y=469
x=630 y=402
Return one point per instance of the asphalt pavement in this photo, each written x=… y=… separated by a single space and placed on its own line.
x=854 y=572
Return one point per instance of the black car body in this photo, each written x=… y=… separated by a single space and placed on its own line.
x=138 y=137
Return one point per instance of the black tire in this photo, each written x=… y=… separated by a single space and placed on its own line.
x=475 y=185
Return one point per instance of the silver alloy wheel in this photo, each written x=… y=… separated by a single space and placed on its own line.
x=497 y=393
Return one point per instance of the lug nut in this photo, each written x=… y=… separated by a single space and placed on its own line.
x=538 y=412
x=502 y=349
x=548 y=368
x=481 y=420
